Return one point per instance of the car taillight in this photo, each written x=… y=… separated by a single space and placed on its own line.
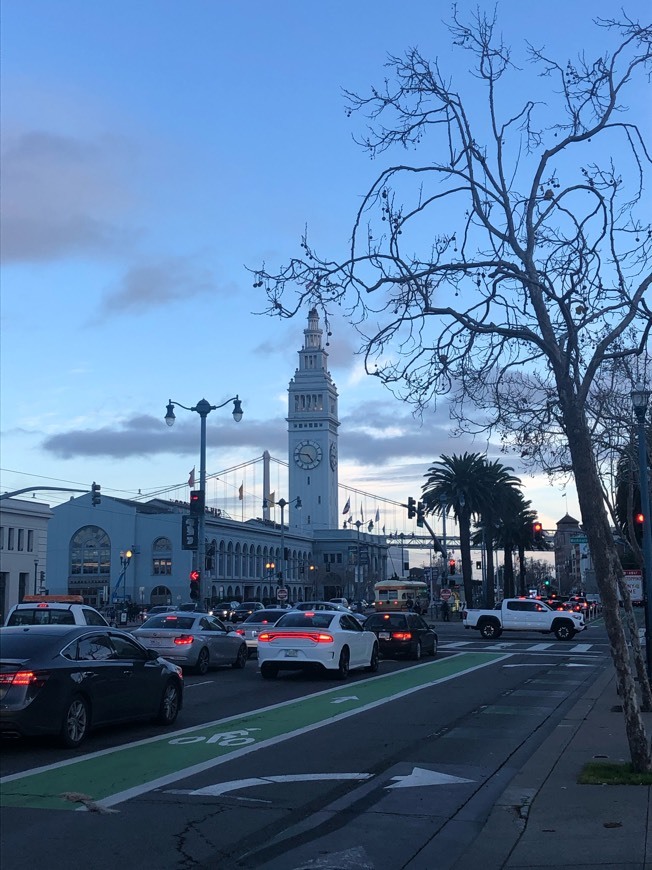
x=24 y=678
x=240 y=631
x=402 y=635
x=184 y=640
x=316 y=637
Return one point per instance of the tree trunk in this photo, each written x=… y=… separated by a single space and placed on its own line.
x=489 y=567
x=508 y=573
x=521 y=570
x=465 y=552
x=607 y=567
x=637 y=653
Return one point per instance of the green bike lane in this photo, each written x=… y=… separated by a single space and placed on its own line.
x=115 y=775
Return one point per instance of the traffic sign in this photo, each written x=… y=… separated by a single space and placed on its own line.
x=445 y=594
x=282 y=593
x=579 y=539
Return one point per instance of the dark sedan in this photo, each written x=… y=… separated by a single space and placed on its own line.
x=65 y=680
x=402 y=634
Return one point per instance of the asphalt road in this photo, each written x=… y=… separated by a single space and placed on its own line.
x=387 y=771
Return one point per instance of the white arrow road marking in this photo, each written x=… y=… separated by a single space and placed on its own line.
x=346 y=698
x=420 y=778
x=235 y=784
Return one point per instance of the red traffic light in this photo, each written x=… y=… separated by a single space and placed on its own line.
x=451 y=566
x=639 y=519
x=194 y=576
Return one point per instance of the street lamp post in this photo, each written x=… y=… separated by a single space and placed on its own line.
x=640 y=399
x=125 y=559
x=203 y=408
x=282 y=503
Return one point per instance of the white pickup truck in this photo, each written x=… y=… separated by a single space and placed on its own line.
x=524 y=614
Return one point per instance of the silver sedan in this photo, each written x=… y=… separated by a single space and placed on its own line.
x=194 y=640
x=254 y=624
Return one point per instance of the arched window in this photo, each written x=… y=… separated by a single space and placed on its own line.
x=90 y=552
x=162 y=557
x=237 y=567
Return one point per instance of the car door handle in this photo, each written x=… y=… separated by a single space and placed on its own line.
x=127 y=672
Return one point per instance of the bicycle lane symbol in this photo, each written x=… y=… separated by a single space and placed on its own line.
x=225 y=738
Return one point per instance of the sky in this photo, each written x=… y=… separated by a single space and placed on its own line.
x=152 y=152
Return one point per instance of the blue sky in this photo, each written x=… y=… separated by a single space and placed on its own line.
x=150 y=151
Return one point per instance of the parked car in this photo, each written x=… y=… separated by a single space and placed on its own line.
x=65 y=680
x=54 y=610
x=325 y=640
x=254 y=624
x=402 y=634
x=343 y=601
x=242 y=611
x=194 y=640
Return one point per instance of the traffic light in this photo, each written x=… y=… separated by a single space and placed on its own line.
x=95 y=491
x=451 y=566
x=639 y=519
x=412 y=508
x=197 y=502
x=195 y=577
x=420 y=513
x=537 y=532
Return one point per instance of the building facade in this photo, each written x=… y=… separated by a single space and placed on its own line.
x=23 y=550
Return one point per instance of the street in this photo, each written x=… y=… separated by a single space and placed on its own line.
x=394 y=770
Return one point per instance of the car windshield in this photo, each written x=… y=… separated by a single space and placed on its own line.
x=386 y=620
x=263 y=616
x=172 y=622
x=305 y=619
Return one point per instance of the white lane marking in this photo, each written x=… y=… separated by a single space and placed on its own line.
x=456 y=644
x=344 y=699
x=581 y=647
x=193 y=685
x=421 y=777
x=235 y=784
x=538 y=646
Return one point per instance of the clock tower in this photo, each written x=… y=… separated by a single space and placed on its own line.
x=312 y=435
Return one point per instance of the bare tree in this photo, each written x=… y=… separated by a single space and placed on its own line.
x=535 y=258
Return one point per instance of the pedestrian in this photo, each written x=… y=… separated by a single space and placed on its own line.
x=445 y=611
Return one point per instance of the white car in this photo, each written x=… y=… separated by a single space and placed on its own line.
x=317 y=640
x=54 y=610
x=260 y=620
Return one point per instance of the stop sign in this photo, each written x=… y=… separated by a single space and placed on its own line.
x=282 y=593
x=445 y=594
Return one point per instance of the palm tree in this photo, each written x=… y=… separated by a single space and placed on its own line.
x=463 y=485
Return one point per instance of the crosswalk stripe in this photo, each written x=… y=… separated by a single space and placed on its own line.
x=457 y=644
x=538 y=646
x=581 y=647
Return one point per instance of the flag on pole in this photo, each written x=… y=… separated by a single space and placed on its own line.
x=347 y=506
x=271 y=498
x=377 y=515
x=191 y=479
x=241 y=492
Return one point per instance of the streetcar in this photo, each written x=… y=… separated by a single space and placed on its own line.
x=399 y=594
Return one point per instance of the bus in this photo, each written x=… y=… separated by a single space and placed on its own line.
x=399 y=594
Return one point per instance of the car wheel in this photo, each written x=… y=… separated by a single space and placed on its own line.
x=268 y=672
x=202 y=662
x=169 y=708
x=373 y=662
x=433 y=652
x=343 y=667
x=490 y=630
x=76 y=722
x=416 y=652
x=241 y=658
x=564 y=632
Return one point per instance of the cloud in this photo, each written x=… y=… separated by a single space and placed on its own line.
x=148 y=286
x=62 y=196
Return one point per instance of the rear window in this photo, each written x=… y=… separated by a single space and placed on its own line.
x=305 y=619
x=393 y=620
x=173 y=622
x=263 y=616
x=26 y=646
x=41 y=616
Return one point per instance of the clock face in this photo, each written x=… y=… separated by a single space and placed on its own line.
x=307 y=454
x=333 y=457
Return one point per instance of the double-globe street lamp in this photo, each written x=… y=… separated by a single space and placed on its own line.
x=203 y=408
x=282 y=503
x=640 y=399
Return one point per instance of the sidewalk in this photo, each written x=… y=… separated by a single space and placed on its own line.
x=545 y=819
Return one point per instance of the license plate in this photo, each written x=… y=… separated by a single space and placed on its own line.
x=383 y=635
x=291 y=653
x=156 y=643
